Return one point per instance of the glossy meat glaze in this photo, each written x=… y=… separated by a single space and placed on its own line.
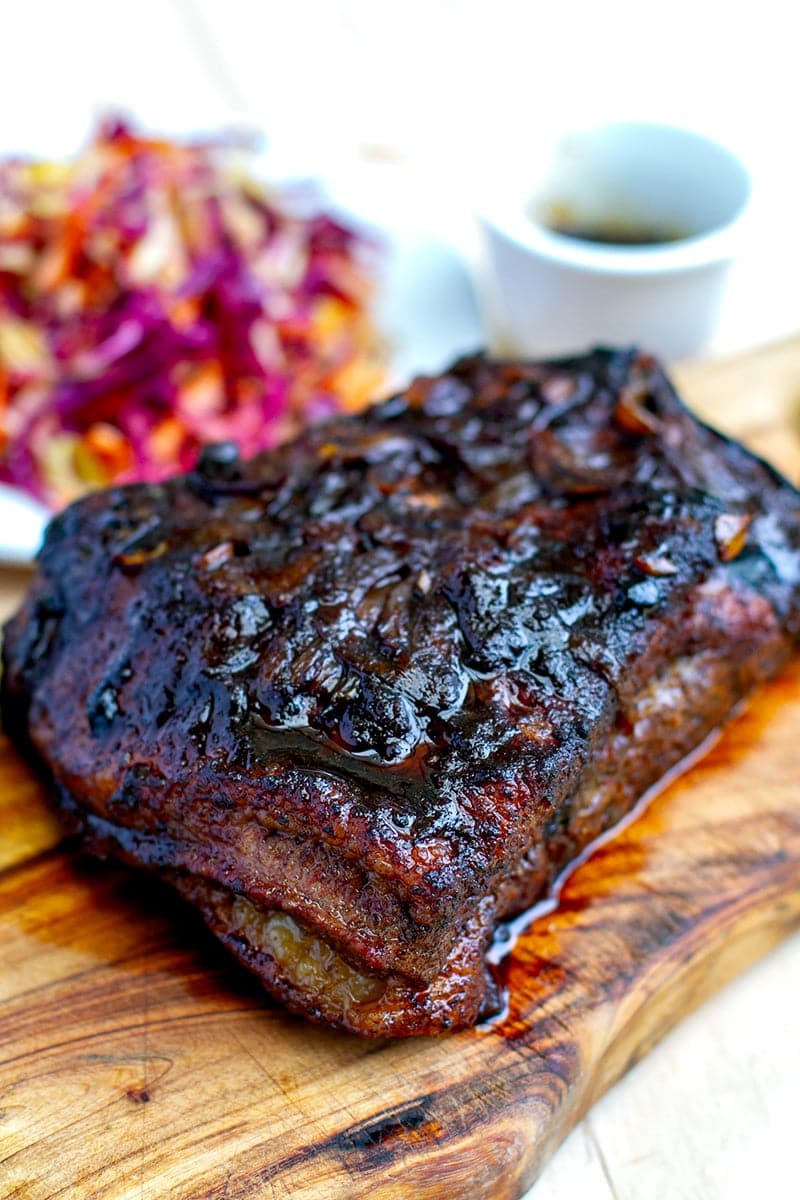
x=364 y=696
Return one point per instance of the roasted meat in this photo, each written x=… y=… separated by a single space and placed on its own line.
x=363 y=697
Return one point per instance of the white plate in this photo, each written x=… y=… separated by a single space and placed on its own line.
x=22 y=523
x=426 y=308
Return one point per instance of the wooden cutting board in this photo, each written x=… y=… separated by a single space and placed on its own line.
x=138 y=1062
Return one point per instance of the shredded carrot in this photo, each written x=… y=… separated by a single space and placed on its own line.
x=153 y=298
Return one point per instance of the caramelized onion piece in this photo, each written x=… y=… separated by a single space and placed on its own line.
x=215 y=557
x=140 y=555
x=655 y=564
x=631 y=415
x=562 y=470
x=730 y=534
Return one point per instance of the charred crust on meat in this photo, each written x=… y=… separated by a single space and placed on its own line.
x=386 y=680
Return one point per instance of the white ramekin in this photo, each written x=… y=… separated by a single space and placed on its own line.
x=547 y=293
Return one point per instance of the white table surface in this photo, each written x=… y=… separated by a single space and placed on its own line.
x=413 y=100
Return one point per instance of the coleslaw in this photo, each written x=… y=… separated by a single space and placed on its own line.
x=154 y=298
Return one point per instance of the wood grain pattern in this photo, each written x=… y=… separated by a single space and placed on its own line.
x=137 y=1061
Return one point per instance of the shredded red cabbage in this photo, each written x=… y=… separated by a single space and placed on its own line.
x=154 y=298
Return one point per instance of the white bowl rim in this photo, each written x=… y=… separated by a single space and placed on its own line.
x=700 y=250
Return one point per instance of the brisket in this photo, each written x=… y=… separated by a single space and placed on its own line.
x=362 y=697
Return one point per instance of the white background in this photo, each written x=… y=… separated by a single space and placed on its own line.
x=443 y=87
x=419 y=98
